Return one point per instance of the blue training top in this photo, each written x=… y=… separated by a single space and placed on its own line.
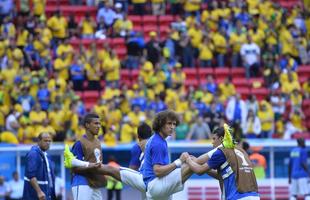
x=135 y=156
x=297 y=157
x=77 y=179
x=156 y=153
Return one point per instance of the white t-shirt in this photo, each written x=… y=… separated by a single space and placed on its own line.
x=17 y=188
x=250 y=52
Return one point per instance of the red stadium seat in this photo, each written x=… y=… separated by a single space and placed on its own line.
x=237 y=72
x=149 y=20
x=77 y=11
x=135 y=19
x=240 y=82
x=244 y=92
x=204 y=72
x=191 y=82
x=220 y=73
x=135 y=74
x=57 y=3
x=191 y=73
x=260 y=93
x=90 y=98
x=304 y=71
x=118 y=43
x=148 y=28
x=121 y=52
x=165 y=20
x=137 y=28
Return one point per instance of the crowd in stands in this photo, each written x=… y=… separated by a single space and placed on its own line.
x=42 y=73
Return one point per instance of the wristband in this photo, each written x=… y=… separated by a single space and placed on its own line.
x=178 y=162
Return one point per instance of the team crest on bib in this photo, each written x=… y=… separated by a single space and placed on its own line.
x=97 y=155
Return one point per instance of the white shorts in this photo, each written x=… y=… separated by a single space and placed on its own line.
x=163 y=188
x=250 y=198
x=300 y=186
x=134 y=179
x=84 y=192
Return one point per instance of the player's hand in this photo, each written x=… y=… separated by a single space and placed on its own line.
x=193 y=158
x=94 y=165
x=41 y=195
x=184 y=156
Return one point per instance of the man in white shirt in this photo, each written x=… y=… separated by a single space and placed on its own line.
x=250 y=53
x=15 y=187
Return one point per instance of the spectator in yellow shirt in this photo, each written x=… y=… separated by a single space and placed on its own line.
x=220 y=47
x=235 y=41
x=58 y=25
x=227 y=88
x=290 y=85
x=87 y=27
x=122 y=27
x=296 y=98
x=127 y=133
x=205 y=52
x=306 y=88
x=111 y=67
x=266 y=116
x=38 y=7
x=297 y=117
x=178 y=77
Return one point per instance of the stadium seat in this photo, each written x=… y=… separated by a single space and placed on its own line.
x=243 y=91
x=125 y=74
x=303 y=71
x=118 y=43
x=149 y=20
x=71 y=10
x=240 y=82
x=165 y=20
x=204 y=72
x=135 y=19
x=148 y=28
x=137 y=28
x=191 y=73
x=260 y=93
x=90 y=98
x=191 y=82
x=237 y=72
x=220 y=73
x=135 y=74
x=57 y=3
x=121 y=52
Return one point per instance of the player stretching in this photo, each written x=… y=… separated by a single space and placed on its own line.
x=233 y=165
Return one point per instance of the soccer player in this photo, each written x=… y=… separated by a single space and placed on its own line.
x=86 y=185
x=137 y=155
x=298 y=172
x=125 y=175
x=233 y=165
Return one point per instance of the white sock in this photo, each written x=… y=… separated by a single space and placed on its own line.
x=79 y=163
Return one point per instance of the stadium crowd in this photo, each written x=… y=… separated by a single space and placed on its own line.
x=42 y=73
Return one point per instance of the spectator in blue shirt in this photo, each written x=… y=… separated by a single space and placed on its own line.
x=298 y=171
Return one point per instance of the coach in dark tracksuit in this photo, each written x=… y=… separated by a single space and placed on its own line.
x=39 y=180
